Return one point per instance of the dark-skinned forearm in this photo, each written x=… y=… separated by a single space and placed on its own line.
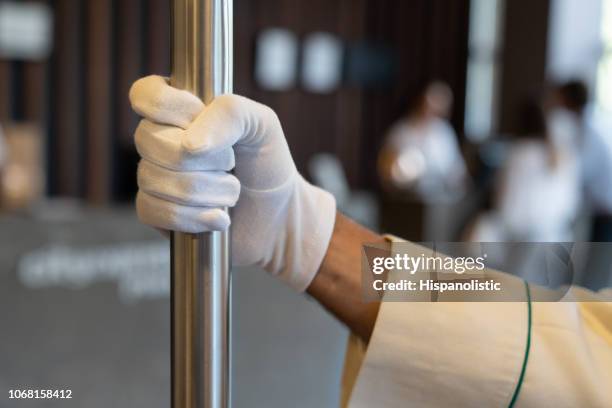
x=337 y=285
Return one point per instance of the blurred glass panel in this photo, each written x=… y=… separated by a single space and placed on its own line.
x=371 y=65
x=607 y=22
x=276 y=61
x=479 y=99
x=484 y=25
x=574 y=40
x=322 y=62
x=25 y=30
x=604 y=84
x=604 y=76
x=484 y=43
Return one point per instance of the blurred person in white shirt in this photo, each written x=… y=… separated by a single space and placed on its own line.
x=539 y=185
x=593 y=143
x=421 y=153
x=594 y=148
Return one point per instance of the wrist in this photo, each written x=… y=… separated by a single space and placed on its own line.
x=308 y=231
x=337 y=285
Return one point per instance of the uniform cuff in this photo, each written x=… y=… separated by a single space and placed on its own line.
x=460 y=354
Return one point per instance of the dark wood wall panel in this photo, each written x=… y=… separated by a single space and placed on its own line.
x=157 y=42
x=35 y=92
x=98 y=86
x=102 y=46
x=523 y=57
x=130 y=53
x=5 y=90
x=448 y=58
x=348 y=143
x=129 y=64
x=66 y=131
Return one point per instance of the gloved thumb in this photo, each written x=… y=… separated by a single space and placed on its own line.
x=154 y=99
x=221 y=124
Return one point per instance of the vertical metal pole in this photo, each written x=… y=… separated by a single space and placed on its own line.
x=201 y=64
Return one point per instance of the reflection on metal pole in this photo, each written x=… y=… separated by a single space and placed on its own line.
x=201 y=64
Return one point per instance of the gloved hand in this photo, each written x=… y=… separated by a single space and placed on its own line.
x=280 y=222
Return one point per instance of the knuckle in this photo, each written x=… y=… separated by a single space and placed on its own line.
x=229 y=103
x=219 y=219
x=270 y=118
x=138 y=133
x=140 y=94
x=269 y=112
x=136 y=90
x=174 y=214
x=141 y=134
x=145 y=173
x=144 y=208
x=185 y=188
x=234 y=186
x=140 y=178
x=155 y=104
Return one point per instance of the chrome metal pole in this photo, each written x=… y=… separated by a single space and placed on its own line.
x=201 y=64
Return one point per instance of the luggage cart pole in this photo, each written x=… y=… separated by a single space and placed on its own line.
x=200 y=275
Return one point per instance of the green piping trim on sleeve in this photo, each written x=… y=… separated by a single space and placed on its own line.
x=527 y=348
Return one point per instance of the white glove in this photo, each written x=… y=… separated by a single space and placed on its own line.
x=281 y=222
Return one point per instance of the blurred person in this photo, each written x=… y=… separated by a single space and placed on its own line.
x=594 y=150
x=402 y=354
x=593 y=145
x=538 y=194
x=421 y=153
x=564 y=110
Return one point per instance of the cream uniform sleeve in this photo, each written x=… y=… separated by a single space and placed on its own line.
x=493 y=354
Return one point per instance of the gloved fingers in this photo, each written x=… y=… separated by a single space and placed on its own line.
x=227 y=120
x=167 y=215
x=196 y=189
x=162 y=145
x=220 y=125
x=153 y=98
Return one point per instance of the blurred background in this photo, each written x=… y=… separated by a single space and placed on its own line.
x=480 y=120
